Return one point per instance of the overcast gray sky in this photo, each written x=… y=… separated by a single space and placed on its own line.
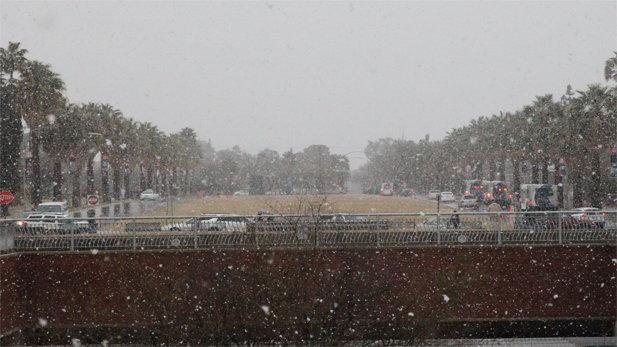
x=284 y=75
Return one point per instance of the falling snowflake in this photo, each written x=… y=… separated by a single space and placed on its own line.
x=446 y=298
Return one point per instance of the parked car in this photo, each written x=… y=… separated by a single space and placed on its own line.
x=148 y=194
x=185 y=225
x=593 y=216
x=241 y=192
x=387 y=189
x=441 y=223
x=222 y=222
x=52 y=223
x=468 y=201
x=406 y=192
x=210 y=222
x=554 y=221
x=432 y=194
x=447 y=197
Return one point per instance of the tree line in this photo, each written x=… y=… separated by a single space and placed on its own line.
x=573 y=134
x=65 y=138
x=314 y=170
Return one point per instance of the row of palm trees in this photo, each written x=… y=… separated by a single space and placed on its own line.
x=72 y=135
x=577 y=130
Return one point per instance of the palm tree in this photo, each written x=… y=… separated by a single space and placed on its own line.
x=149 y=138
x=115 y=130
x=592 y=125
x=11 y=131
x=610 y=68
x=57 y=139
x=38 y=96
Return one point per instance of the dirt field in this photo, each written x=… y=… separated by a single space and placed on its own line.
x=299 y=204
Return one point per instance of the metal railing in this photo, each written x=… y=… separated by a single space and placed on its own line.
x=199 y=232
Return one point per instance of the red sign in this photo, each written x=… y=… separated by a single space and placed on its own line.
x=5 y=197
x=93 y=199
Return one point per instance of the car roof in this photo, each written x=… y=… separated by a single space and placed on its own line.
x=442 y=193
x=586 y=209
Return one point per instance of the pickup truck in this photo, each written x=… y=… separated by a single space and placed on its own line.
x=52 y=223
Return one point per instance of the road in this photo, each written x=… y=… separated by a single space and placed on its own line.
x=129 y=208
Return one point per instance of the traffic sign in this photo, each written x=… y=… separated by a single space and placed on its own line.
x=5 y=197
x=93 y=199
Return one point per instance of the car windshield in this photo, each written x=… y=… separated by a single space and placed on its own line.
x=356 y=218
x=49 y=208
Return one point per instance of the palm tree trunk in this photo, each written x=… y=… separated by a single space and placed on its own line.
x=77 y=188
x=152 y=181
x=127 y=182
x=117 y=181
x=492 y=170
x=545 y=170
x=142 y=177
x=164 y=184
x=535 y=172
x=479 y=170
x=516 y=177
x=105 y=187
x=577 y=182
x=57 y=180
x=595 y=198
x=558 y=179
x=35 y=197
x=502 y=169
x=90 y=176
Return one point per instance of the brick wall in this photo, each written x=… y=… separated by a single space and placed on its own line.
x=222 y=290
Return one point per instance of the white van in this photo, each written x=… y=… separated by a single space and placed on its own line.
x=54 y=207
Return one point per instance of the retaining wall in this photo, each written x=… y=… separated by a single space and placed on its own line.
x=222 y=296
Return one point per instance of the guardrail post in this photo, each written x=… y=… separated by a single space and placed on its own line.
x=377 y=231
x=195 y=233
x=256 y=230
x=438 y=228
x=560 y=227
x=500 y=228
x=134 y=234
x=317 y=231
x=73 y=236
